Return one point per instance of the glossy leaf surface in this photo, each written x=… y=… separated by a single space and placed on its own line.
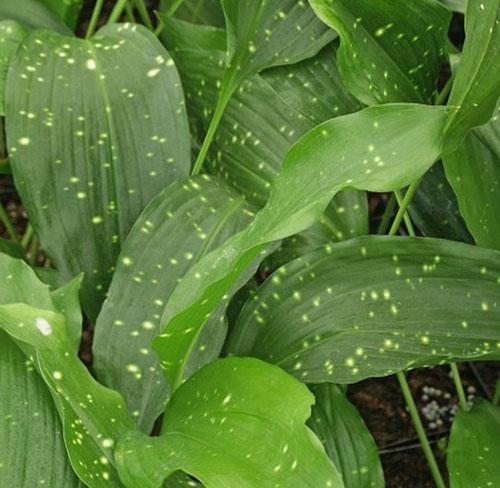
x=89 y=160
x=237 y=422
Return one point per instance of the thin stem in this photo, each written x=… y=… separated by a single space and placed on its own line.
x=28 y=234
x=95 y=17
x=130 y=12
x=406 y=217
x=459 y=387
x=417 y=422
x=33 y=251
x=496 y=396
x=117 y=11
x=443 y=94
x=403 y=207
x=5 y=219
x=386 y=218
x=159 y=28
x=143 y=12
x=173 y=8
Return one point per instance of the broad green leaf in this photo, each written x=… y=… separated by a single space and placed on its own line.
x=434 y=208
x=473 y=170
x=374 y=306
x=473 y=449
x=88 y=161
x=32 y=14
x=208 y=12
x=455 y=5
x=182 y=224
x=30 y=431
x=475 y=88
x=11 y=35
x=395 y=145
x=236 y=423
x=346 y=438
x=11 y=249
x=390 y=51
x=67 y=10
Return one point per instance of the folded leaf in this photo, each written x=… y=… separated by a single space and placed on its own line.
x=375 y=163
x=374 y=306
x=182 y=224
x=346 y=438
x=236 y=423
x=389 y=51
x=89 y=160
x=473 y=449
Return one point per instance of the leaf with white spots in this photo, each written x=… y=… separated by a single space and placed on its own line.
x=182 y=224
x=235 y=423
x=87 y=161
x=390 y=51
x=473 y=449
x=67 y=10
x=346 y=438
x=375 y=306
x=395 y=144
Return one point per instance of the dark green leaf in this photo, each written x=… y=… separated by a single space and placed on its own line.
x=236 y=423
x=66 y=10
x=11 y=249
x=473 y=450
x=375 y=306
x=208 y=12
x=390 y=51
x=180 y=226
x=346 y=439
x=395 y=145
x=89 y=160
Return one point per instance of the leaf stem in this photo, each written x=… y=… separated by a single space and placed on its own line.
x=417 y=422
x=455 y=373
x=143 y=12
x=5 y=219
x=496 y=396
x=173 y=8
x=130 y=12
x=117 y=11
x=443 y=94
x=95 y=17
x=386 y=218
x=26 y=239
x=403 y=207
x=406 y=217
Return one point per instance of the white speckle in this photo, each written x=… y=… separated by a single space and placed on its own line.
x=43 y=326
x=24 y=141
x=153 y=72
x=107 y=443
x=90 y=64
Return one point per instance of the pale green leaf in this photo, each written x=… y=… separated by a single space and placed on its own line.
x=455 y=5
x=182 y=224
x=346 y=438
x=473 y=450
x=89 y=160
x=235 y=423
x=374 y=306
x=390 y=51
x=395 y=145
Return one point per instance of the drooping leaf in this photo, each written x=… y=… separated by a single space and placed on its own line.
x=475 y=88
x=473 y=449
x=375 y=306
x=67 y=10
x=346 y=439
x=89 y=160
x=390 y=51
x=237 y=422
x=11 y=35
x=395 y=145
x=207 y=12
x=182 y=224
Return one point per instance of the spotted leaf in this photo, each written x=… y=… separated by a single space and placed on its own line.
x=298 y=199
x=407 y=303
x=390 y=51
x=473 y=449
x=182 y=224
x=237 y=422
x=89 y=160
x=346 y=438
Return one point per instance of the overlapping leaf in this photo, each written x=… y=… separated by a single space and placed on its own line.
x=473 y=449
x=208 y=12
x=180 y=226
x=390 y=51
x=376 y=163
x=346 y=439
x=66 y=10
x=103 y=131
x=237 y=422
x=426 y=302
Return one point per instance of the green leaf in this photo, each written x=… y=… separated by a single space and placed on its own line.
x=182 y=224
x=375 y=163
x=88 y=161
x=208 y=12
x=375 y=306
x=473 y=449
x=455 y=5
x=11 y=249
x=67 y=10
x=11 y=35
x=237 y=422
x=475 y=88
x=346 y=438
x=389 y=51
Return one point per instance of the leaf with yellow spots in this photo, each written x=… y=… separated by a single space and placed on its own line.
x=390 y=51
x=87 y=161
x=346 y=438
x=473 y=449
x=375 y=306
x=395 y=144
x=235 y=423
